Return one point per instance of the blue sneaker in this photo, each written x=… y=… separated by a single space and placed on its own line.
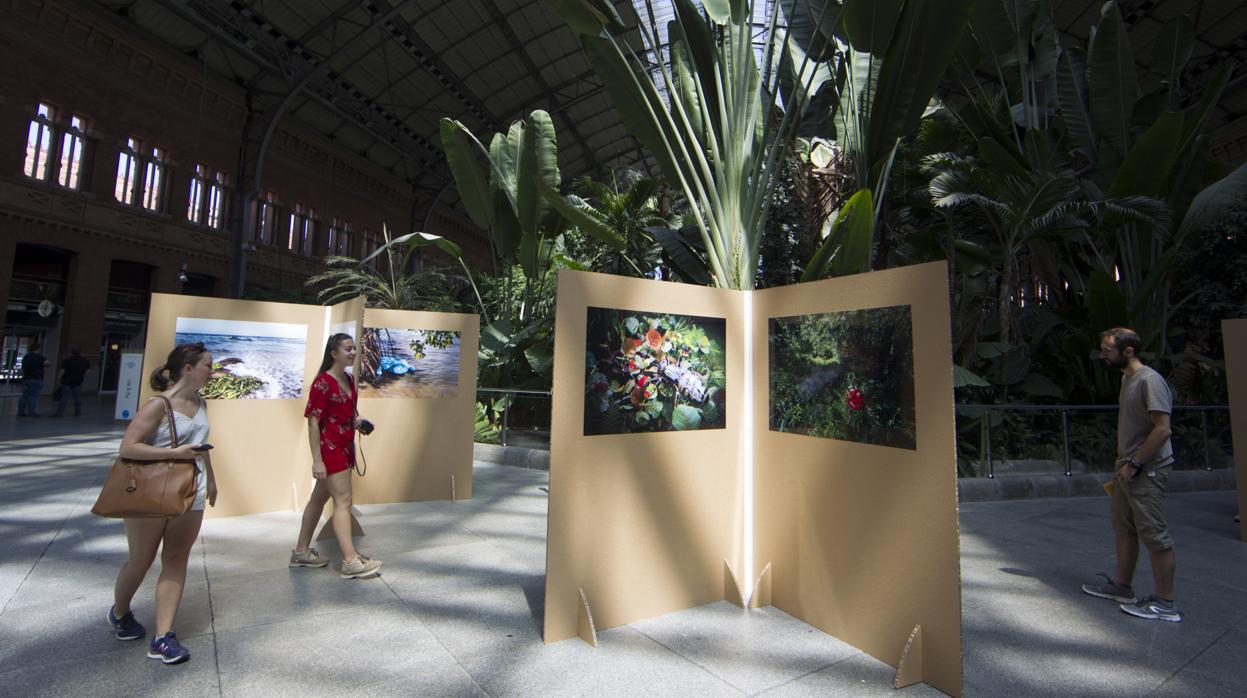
x=126 y=627
x=167 y=649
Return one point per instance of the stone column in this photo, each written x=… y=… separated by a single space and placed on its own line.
x=86 y=295
x=8 y=256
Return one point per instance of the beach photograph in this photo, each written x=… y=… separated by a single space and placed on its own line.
x=250 y=360
x=846 y=375
x=408 y=363
x=652 y=372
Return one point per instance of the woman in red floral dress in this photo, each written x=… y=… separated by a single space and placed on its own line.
x=331 y=419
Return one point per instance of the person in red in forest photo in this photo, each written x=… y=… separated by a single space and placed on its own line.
x=332 y=417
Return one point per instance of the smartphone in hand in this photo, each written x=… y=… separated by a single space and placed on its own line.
x=202 y=447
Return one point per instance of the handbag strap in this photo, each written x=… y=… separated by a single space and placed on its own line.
x=359 y=450
x=173 y=423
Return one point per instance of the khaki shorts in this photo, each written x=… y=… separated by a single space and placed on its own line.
x=1139 y=509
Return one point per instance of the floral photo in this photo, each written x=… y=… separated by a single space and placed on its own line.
x=651 y=372
x=408 y=363
x=846 y=375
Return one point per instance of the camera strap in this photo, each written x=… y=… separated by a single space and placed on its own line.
x=361 y=463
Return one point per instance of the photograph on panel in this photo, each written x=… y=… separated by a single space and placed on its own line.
x=651 y=372
x=397 y=362
x=844 y=375
x=250 y=360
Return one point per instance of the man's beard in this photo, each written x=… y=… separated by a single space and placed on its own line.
x=1117 y=363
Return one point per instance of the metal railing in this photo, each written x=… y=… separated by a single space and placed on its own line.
x=985 y=412
x=531 y=419
x=525 y=420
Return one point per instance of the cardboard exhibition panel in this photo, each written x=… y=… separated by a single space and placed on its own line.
x=856 y=497
x=844 y=432
x=642 y=522
x=416 y=373
x=1234 y=338
x=269 y=354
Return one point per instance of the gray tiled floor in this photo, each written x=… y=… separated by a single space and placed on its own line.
x=458 y=610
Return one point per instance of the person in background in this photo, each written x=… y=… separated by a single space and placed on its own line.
x=1144 y=458
x=331 y=420
x=188 y=368
x=32 y=382
x=73 y=372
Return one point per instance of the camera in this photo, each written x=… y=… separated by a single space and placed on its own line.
x=365 y=427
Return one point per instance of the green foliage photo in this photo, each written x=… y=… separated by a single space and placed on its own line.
x=846 y=376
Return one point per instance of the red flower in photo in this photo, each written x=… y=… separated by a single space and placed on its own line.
x=631 y=344
x=654 y=339
x=855 y=399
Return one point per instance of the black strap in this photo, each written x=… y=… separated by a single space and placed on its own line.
x=359 y=451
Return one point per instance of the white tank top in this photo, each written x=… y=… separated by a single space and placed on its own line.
x=191 y=430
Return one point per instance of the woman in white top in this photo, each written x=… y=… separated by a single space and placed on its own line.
x=187 y=369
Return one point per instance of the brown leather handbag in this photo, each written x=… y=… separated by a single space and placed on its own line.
x=149 y=489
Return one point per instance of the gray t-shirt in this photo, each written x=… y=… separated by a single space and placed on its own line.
x=1142 y=393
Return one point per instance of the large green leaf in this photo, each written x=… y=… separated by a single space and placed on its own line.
x=719 y=11
x=417 y=239
x=869 y=25
x=1114 y=86
x=965 y=378
x=504 y=158
x=1072 y=99
x=812 y=24
x=506 y=231
x=680 y=248
x=1210 y=96
x=917 y=57
x=703 y=51
x=463 y=153
x=586 y=222
x=685 y=418
x=1145 y=170
x=1215 y=202
x=538 y=168
x=684 y=77
x=635 y=109
x=847 y=246
x=1171 y=50
x=587 y=16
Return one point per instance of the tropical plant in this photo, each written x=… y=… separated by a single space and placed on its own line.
x=628 y=205
x=723 y=130
x=1061 y=216
x=385 y=278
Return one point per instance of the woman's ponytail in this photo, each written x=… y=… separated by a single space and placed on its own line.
x=181 y=356
x=161 y=379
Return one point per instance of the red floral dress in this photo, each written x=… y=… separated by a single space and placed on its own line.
x=336 y=411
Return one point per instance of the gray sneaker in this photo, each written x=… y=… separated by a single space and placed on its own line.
x=1153 y=608
x=360 y=567
x=1110 y=589
x=308 y=558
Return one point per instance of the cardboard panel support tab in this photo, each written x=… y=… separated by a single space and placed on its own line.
x=731 y=588
x=761 y=596
x=909 y=668
x=584 y=622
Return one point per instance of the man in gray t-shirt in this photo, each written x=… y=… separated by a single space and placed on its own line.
x=1144 y=455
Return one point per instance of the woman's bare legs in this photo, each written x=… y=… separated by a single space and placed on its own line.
x=143 y=537
x=311 y=514
x=180 y=536
x=339 y=486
